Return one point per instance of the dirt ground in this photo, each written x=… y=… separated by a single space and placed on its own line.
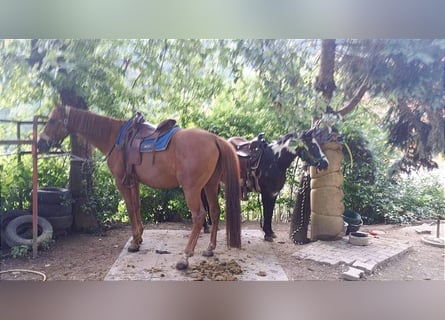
x=89 y=257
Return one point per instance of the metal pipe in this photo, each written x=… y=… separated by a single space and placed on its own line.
x=34 y=188
x=19 y=161
x=17 y=142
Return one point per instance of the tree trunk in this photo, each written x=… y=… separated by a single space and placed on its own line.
x=327 y=205
x=326 y=194
x=81 y=172
x=324 y=82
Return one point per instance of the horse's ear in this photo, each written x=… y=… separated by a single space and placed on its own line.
x=56 y=101
x=329 y=109
x=305 y=134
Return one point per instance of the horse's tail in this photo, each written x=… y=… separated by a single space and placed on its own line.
x=229 y=166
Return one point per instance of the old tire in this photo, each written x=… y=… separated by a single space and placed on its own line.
x=10 y=215
x=5 y=218
x=54 y=204
x=18 y=232
x=53 y=195
x=47 y=210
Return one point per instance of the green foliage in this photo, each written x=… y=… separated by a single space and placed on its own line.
x=53 y=171
x=16 y=178
x=19 y=251
x=377 y=196
x=104 y=197
x=163 y=205
x=417 y=196
x=232 y=88
x=408 y=73
x=46 y=245
x=359 y=173
x=16 y=182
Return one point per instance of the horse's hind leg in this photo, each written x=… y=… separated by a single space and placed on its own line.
x=211 y=190
x=206 y=208
x=268 y=206
x=133 y=204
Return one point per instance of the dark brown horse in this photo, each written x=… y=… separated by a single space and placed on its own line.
x=264 y=168
x=195 y=159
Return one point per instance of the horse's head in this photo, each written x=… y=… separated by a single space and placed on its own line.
x=55 y=129
x=312 y=153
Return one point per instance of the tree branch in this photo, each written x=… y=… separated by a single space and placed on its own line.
x=354 y=101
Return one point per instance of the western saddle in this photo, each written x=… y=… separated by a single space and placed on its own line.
x=137 y=130
x=249 y=154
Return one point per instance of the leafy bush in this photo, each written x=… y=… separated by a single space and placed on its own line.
x=163 y=205
x=105 y=197
x=16 y=179
x=19 y=251
x=416 y=197
x=16 y=183
x=378 y=197
x=54 y=171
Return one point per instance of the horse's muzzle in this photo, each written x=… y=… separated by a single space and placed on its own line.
x=322 y=164
x=43 y=145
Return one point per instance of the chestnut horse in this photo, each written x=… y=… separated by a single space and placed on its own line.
x=195 y=159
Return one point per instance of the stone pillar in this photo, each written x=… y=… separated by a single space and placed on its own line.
x=327 y=205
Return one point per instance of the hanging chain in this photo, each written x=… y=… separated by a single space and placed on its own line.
x=303 y=195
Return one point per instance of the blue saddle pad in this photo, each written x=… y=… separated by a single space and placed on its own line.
x=161 y=143
x=121 y=135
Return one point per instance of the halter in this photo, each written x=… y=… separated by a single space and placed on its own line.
x=65 y=111
x=66 y=116
x=316 y=159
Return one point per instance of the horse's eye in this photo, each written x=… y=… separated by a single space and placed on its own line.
x=52 y=121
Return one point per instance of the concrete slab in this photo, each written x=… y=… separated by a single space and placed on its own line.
x=425 y=228
x=352 y=274
x=256 y=258
x=366 y=258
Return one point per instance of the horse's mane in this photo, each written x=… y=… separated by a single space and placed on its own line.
x=92 y=124
x=283 y=139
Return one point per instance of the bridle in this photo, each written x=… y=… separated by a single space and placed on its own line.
x=65 y=112
x=303 y=146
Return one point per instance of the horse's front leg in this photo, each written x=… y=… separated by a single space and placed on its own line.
x=268 y=206
x=198 y=220
x=198 y=216
x=133 y=204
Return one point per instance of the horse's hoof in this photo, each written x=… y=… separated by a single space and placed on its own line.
x=268 y=238
x=133 y=248
x=134 y=245
x=207 y=253
x=182 y=265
